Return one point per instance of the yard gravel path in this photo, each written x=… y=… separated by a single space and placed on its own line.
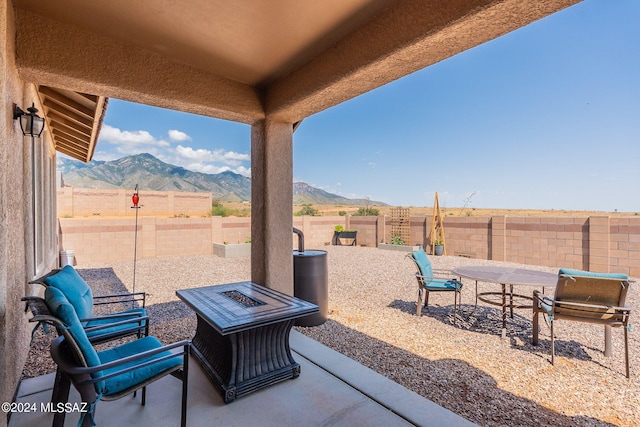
x=465 y=367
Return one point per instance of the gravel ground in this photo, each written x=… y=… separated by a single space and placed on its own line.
x=465 y=367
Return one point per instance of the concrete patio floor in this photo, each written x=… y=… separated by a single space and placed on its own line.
x=332 y=390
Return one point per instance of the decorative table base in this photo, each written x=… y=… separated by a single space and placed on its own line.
x=242 y=336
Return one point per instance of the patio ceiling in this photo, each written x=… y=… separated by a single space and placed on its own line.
x=250 y=59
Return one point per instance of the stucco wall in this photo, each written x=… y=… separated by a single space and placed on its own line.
x=14 y=334
x=17 y=257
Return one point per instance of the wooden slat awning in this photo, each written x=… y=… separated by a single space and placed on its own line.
x=74 y=120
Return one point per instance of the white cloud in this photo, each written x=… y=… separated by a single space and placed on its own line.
x=130 y=142
x=116 y=136
x=196 y=159
x=176 y=135
x=218 y=155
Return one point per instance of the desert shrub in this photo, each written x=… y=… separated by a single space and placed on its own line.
x=307 y=210
x=397 y=240
x=367 y=212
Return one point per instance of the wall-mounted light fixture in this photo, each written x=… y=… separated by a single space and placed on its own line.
x=30 y=123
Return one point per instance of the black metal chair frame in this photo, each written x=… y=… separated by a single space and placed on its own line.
x=72 y=367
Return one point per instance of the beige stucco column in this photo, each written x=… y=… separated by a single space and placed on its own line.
x=271 y=202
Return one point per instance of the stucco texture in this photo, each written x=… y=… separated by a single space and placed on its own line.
x=14 y=329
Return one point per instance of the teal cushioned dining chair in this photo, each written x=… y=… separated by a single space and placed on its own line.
x=109 y=374
x=428 y=282
x=104 y=327
x=588 y=297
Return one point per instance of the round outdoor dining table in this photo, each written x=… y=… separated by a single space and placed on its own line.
x=506 y=276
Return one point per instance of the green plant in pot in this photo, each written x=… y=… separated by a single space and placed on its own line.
x=438 y=247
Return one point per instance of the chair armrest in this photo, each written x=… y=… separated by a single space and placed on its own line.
x=120 y=298
x=427 y=278
x=137 y=320
x=622 y=310
x=129 y=315
x=75 y=370
x=541 y=299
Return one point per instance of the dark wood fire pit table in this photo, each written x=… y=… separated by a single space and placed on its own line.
x=242 y=335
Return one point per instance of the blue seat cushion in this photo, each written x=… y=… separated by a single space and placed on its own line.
x=423 y=263
x=581 y=273
x=76 y=290
x=61 y=308
x=124 y=381
x=135 y=314
x=443 y=284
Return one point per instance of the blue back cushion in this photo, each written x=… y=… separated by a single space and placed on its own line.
x=581 y=273
x=61 y=308
x=423 y=263
x=76 y=290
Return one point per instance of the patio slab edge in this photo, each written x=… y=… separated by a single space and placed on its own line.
x=405 y=403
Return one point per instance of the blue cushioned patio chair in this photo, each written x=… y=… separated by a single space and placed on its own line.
x=588 y=297
x=109 y=374
x=79 y=294
x=429 y=282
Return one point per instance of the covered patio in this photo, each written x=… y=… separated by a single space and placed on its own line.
x=268 y=67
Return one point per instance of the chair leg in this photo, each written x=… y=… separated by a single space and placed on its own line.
x=455 y=306
x=144 y=395
x=536 y=326
x=426 y=297
x=419 y=305
x=553 y=350
x=626 y=349
x=607 y=341
x=185 y=385
x=61 y=387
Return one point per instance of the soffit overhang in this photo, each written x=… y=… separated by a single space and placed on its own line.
x=73 y=120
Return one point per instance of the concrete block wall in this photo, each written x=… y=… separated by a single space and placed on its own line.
x=78 y=202
x=317 y=230
x=369 y=234
x=467 y=236
x=556 y=242
x=235 y=230
x=597 y=243
x=188 y=236
x=624 y=245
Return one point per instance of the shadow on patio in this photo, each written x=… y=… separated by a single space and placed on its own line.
x=331 y=390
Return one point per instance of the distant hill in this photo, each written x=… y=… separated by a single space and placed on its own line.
x=304 y=193
x=150 y=173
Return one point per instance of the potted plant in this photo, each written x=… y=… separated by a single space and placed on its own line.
x=438 y=247
x=340 y=233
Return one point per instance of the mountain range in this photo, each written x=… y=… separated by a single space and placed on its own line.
x=150 y=173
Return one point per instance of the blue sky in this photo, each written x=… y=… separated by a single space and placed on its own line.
x=546 y=117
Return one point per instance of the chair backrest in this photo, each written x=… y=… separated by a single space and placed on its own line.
x=78 y=293
x=584 y=287
x=423 y=264
x=73 y=332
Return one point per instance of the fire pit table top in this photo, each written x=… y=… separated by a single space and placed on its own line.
x=240 y=306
